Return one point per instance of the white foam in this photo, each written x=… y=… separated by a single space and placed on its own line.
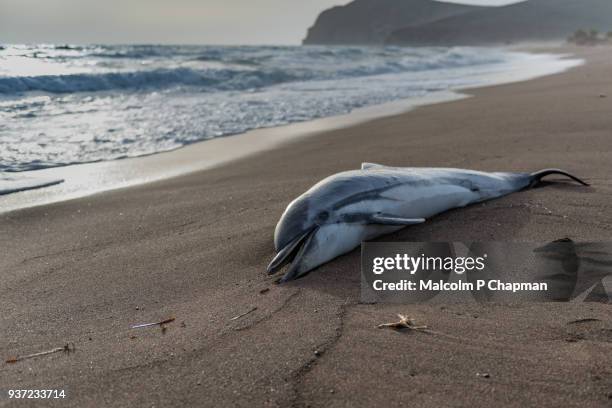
x=15 y=182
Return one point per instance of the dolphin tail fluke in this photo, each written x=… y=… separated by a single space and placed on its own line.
x=537 y=177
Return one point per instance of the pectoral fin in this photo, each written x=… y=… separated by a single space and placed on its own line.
x=380 y=218
x=383 y=219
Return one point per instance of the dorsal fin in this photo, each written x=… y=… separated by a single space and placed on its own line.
x=370 y=166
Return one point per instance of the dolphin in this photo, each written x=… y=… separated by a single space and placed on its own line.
x=338 y=213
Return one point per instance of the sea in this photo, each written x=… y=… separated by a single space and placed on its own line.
x=66 y=104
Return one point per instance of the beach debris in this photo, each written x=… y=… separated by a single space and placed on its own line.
x=244 y=314
x=67 y=349
x=266 y=290
x=161 y=324
x=404 y=323
x=603 y=95
x=483 y=375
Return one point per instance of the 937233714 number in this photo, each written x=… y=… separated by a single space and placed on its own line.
x=36 y=394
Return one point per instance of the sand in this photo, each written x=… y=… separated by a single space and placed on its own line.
x=195 y=247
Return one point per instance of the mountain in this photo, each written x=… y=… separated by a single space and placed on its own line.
x=427 y=22
x=369 y=22
x=527 y=21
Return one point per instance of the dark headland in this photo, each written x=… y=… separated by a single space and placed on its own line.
x=428 y=22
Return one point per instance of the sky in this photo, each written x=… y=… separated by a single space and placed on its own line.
x=164 y=21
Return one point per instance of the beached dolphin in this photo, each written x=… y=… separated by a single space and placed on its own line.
x=341 y=211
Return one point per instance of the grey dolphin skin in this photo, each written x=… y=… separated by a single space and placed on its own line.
x=338 y=213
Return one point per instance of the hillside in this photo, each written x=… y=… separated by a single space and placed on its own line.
x=528 y=21
x=427 y=22
x=369 y=22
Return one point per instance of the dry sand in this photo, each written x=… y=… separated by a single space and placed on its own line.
x=196 y=248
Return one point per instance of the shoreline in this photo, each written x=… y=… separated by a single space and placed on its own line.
x=195 y=248
x=103 y=176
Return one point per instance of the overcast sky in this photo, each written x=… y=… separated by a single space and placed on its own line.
x=164 y=21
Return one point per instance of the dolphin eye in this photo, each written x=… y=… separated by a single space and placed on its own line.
x=323 y=216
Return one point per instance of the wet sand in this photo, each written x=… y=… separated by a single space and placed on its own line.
x=196 y=247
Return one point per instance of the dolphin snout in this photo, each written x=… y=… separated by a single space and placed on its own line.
x=292 y=252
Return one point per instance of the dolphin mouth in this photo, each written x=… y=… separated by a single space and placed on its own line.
x=292 y=253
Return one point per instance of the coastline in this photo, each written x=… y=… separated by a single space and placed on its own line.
x=84 y=179
x=195 y=248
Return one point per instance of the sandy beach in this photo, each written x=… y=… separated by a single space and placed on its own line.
x=195 y=248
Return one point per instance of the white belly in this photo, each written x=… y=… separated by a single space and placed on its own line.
x=333 y=240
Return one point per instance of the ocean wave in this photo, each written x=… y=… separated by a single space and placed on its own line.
x=159 y=98
x=244 y=70
x=133 y=52
x=226 y=79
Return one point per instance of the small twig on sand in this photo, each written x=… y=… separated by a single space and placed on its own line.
x=404 y=323
x=67 y=348
x=162 y=323
x=243 y=314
